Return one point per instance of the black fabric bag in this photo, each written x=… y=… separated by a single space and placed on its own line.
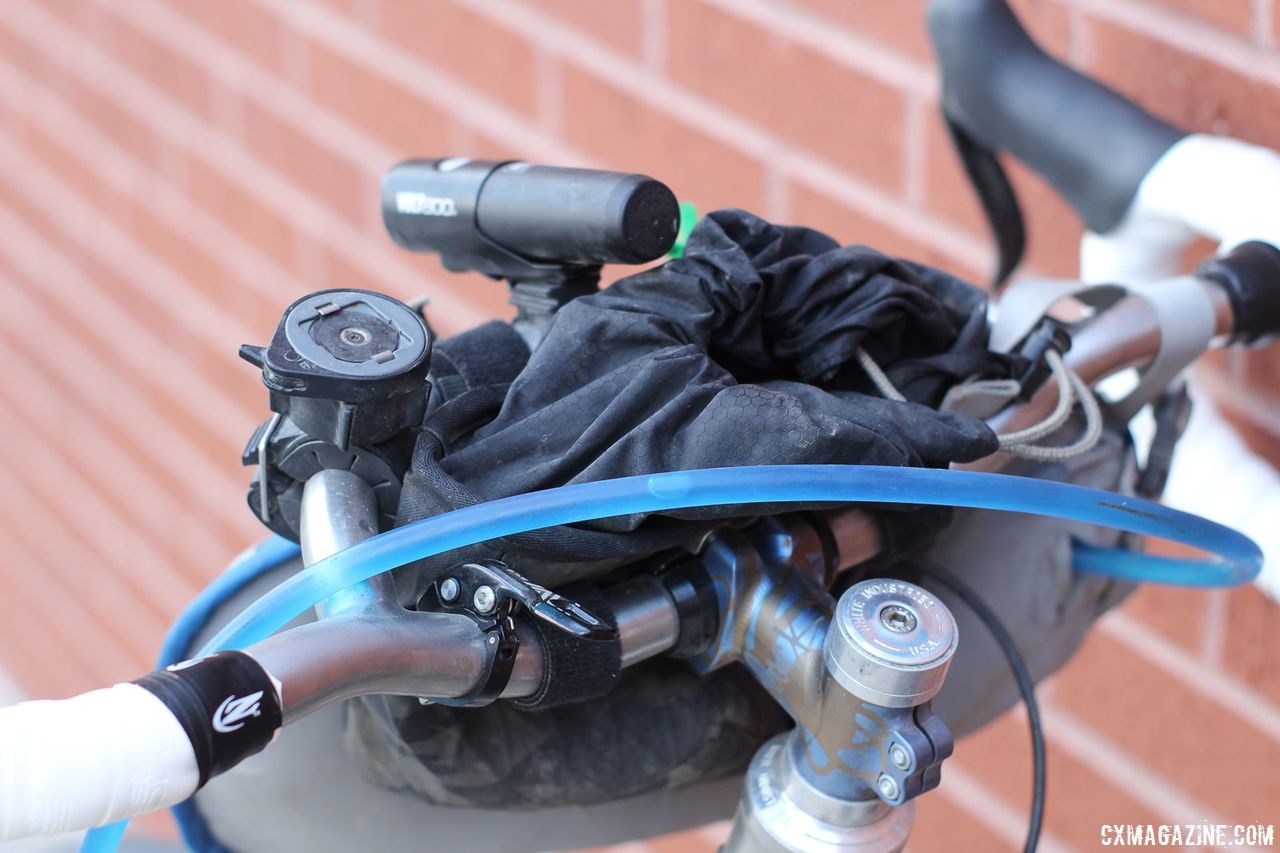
x=740 y=353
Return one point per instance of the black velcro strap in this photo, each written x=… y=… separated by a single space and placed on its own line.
x=226 y=703
x=574 y=669
x=999 y=201
x=492 y=354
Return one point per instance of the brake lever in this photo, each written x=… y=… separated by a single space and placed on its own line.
x=490 y=588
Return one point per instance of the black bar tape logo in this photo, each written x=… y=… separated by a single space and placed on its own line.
x=226 y=703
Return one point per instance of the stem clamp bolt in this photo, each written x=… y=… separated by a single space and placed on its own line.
x=484 y=599
x=449 y=589
x=888 y=787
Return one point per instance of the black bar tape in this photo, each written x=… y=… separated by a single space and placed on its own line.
x=226 y=703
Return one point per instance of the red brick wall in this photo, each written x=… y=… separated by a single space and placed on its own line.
x=173 y=173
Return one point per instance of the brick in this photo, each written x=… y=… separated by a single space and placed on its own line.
x=1048 y=22
x=1174 y=731
x=1053 y=229
x=179 y=77
x=898 y=24
x=467 y=46
x=624 y=133
x=619 y=24
x=1258 y=437
x=1176 y=613
x=395 y=116
x=67 y=556
x=483 y=145
x=93 y=325
x=797 y=93
x=156 y=827
x=120 y=552
x=308 y=163
x=1190 y=91
x=1260 y=370
x=1250 y=649
x=999 y=756
x=1235 y=16
x=30 y=649
x=360 y=12
x=942 y=826
x=114 y=121
x=245 y=25
x=111 y=468
x=172 y=246
x=847 y=225
x=24 y=55
x=91 y=185
x=88 y=18
x=64 y=616
x=239 y=210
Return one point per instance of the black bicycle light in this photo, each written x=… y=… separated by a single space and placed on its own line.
x=524 y=222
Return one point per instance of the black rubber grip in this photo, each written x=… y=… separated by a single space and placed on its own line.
x=227 y=705
x=1093 y=145
x=1250 y=275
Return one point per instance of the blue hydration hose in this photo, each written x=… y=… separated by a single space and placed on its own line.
x=1239 y=561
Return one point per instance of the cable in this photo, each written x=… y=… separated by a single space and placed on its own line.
x=1066 y=399
x=1070 y=388
x=1039 y=761
x=878 y=377
x=753 y=484
x=1092 y=429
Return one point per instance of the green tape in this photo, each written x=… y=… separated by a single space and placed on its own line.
x=688 y=219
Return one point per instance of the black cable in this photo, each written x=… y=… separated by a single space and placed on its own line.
x=970 y=597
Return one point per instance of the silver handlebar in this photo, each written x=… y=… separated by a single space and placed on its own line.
x=366 y=642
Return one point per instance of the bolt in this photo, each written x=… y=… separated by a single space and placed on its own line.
x=484 y=599
x=449 y=589
x=355 y=336
x=899 y=757
x=898 y=619
x=888 y=786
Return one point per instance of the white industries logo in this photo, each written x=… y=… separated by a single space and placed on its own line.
x=421 y=204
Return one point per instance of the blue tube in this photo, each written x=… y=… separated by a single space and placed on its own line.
x=1241 y=558
x=267 y=555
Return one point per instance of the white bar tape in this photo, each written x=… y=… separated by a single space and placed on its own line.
x=90 y=760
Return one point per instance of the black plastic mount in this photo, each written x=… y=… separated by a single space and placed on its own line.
x=347 y=376
x=347 y=366
x=1049 y=334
